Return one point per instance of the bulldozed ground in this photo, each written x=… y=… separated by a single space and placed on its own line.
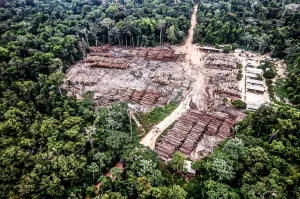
x=145 y=78
x=207 y=119
x=151 y=77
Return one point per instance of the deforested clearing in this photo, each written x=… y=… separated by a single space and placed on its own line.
x=143 y=99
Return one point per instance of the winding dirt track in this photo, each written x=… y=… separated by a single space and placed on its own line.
x=192 y=67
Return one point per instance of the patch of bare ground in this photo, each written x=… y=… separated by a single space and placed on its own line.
x=150 y=77
x=143 y=77
x=214 y=76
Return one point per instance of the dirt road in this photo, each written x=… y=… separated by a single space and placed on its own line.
x=193 y=69
x=151 y=137
x=189 y=41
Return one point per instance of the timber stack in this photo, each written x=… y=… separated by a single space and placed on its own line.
x=107 y=62
x=145 y=97
x=191 y=127
x=221 y=61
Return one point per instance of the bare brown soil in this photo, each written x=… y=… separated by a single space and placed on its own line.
x=149 y=77
x=145 y=78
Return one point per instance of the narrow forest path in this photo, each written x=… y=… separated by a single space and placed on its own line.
x=190 y=66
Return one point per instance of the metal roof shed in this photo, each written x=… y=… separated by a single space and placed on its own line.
x=254 y=70
x=255 y=88
x=251 y=75
x=254 y=81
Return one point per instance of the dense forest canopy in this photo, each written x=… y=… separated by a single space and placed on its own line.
x=54 y=146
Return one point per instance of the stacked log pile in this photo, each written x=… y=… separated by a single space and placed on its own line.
x=176 y=136
x=218 y=115
x=120 y=95
x=128 y=53
x=162 y=101
x=225 y=84
x=150 y=97
x=190 y=128
x=228 y=86
x=100 y=54
x=225 y=130
x=194 y=137
x=82 y=79
x=142 y=53
x=146 y=97
x=221 y=61
x=158 y=54
x=106 y=62
x=213 y=127
x=229 y=93
x=136 y=96
x=100 y=49
x=152 y=54
x=127 y=95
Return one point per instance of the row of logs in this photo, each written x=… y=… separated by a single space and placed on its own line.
x=148 y=53
x=178 y=134
x=145 y=97
x=188 y=131
x=107 y=62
